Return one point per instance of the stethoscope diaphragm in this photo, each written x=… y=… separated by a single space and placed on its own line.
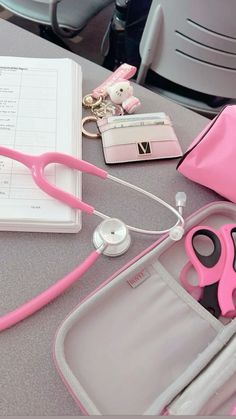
x=114 y=235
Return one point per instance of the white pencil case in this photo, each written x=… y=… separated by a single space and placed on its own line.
x=140 y=344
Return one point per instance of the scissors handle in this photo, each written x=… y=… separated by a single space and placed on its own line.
x=227 y=284
x=194 y=290
x=207 y=296
x=208 y=267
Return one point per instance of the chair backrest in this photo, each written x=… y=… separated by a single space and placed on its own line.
x=192 y=43
x=72 y=15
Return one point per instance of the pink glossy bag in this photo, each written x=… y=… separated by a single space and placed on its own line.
x=211 y=158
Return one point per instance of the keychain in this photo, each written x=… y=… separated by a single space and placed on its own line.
x=100 y=109
x=121 y=98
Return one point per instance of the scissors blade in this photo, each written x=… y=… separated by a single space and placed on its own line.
x=227 y=284
x=209 y=299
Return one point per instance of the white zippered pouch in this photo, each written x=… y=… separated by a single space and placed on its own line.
x=140 y=344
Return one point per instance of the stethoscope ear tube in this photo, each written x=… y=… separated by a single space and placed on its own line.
x=176 y=231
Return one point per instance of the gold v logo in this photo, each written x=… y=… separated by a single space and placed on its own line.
x=144 y=148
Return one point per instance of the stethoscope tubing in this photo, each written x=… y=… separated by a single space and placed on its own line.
x=37 y=164
x=45 y=297
x=149 y=195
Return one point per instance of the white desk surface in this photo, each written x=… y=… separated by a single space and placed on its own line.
x=30 y=262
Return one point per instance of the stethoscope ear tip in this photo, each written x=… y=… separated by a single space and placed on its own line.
x=113 y=236
x=176 y=233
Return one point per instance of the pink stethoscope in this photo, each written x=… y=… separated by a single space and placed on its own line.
x=110 y=238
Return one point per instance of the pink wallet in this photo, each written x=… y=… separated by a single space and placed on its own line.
x=131 y=138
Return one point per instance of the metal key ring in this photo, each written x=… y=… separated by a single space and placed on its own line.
x=88 y=134
x=90 y=102
x=106 y=109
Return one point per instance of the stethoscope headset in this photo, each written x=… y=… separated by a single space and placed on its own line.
x=110 y=238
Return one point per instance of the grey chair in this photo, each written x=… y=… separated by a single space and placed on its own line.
x=192 y=44
x=57 y=18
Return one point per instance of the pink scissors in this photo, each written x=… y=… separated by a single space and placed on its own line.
x=216 y=272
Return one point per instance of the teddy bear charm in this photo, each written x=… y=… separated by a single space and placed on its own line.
x=121 y=93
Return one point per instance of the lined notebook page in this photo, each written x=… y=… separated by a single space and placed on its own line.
x=40 y=111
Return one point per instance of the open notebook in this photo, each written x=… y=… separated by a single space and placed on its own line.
x=40 y=111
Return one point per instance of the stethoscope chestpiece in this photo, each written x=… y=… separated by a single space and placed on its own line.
x=114 y=235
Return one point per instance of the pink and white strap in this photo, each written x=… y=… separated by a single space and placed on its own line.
x=124 y=72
